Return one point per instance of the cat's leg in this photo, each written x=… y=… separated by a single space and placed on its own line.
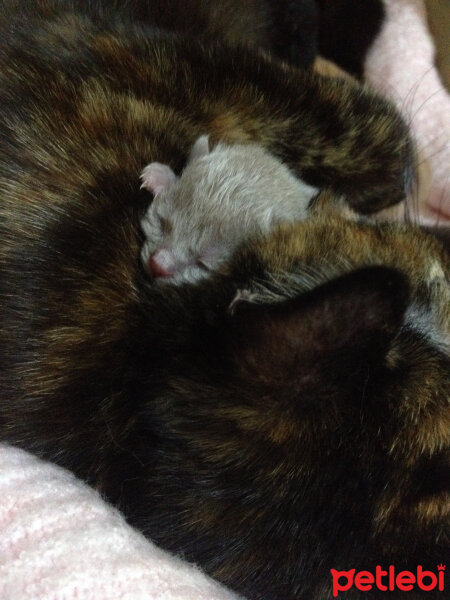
x=332 y=133
x=157 y=177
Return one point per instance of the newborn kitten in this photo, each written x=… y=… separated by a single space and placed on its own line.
x=223 y=196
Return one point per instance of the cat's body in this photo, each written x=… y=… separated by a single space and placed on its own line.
x=173 y=89
x=267 y=445
x=223 y=197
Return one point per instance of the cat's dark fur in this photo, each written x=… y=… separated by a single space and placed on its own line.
x=294 y=31
x=91 y=69
x=347 y=30
x=303 y=429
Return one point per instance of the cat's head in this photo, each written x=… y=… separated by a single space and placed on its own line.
x=347 y=300
x=295 y=385
x=344 y=322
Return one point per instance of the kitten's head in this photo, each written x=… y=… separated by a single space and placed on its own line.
x=182 y=241
x=195 y=221
x=180 y=246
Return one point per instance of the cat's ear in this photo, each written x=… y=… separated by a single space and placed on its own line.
x=342 y=324
x=200 y=147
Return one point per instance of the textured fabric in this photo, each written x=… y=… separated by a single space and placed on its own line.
x=400 y=65
x=60 y=541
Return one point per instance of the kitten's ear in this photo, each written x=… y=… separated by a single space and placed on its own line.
x=156 y=177
x=200 y=148
x=341 y=324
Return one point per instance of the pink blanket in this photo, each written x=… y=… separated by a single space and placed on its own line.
x=400 y=66
x=60 y=541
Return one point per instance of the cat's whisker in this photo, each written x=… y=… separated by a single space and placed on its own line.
x=425 y=158
x=411 y=207
x=410 y=96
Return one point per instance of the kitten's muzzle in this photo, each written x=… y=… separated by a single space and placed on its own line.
x=161 y=264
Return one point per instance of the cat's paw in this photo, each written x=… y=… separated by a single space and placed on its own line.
x=157 y=177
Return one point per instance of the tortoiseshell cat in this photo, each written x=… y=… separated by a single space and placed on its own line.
x=283 y=418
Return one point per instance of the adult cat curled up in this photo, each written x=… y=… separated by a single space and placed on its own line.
x=299 y=431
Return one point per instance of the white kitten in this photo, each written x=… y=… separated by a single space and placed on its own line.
x=222 y=197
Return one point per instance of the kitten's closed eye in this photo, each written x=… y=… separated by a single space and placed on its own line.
x=203 y=264
x=210 y=257
x=151 y=227
x=155 y=224
x=165 y=224
x=155 y=228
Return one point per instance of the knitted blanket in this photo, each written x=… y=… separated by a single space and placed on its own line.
x=59 y=540
x=400 y=66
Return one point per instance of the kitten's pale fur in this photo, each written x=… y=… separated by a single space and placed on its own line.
x=222 y=197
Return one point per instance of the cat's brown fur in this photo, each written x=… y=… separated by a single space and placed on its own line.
x=171 y=90
x=268 y=458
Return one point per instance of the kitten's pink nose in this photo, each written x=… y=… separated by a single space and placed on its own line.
x=161 y=264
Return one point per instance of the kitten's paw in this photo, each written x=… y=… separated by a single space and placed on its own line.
x=156 y=177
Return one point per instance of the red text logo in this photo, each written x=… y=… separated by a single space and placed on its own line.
x=388 y=580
